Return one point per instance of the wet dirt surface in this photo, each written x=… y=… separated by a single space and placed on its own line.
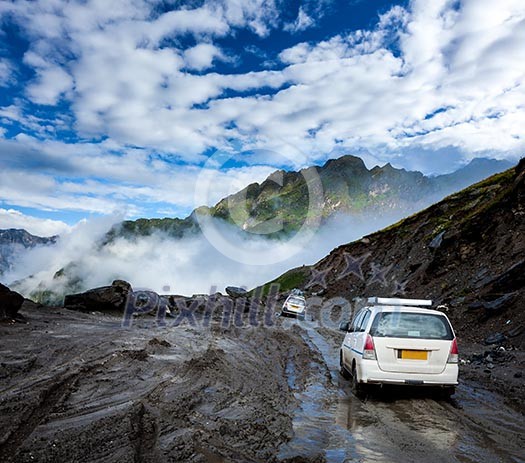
x=409 y=424
x=78 y=387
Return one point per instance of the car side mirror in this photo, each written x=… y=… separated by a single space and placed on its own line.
x=344 y=326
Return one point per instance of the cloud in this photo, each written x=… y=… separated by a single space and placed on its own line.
x=343 y=84
x=331 y=100
x=449 y=75
x=201 y=56
x=102 y=178
x=6 y=72
x=310 y=14
x=302 y=22
x=52 y=82
x=12 y=218
x=157 y=261
x=258 y=15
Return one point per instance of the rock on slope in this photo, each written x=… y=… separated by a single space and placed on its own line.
x=10 y=303
x=106 y=298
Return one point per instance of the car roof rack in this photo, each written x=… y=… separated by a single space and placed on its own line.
x=398 y=301
x=296 y=292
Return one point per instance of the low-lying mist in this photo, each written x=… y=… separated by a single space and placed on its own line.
x=176 y=266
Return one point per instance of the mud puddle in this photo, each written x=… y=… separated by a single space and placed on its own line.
x=317 y=433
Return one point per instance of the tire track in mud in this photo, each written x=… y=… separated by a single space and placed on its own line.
x=412 y=424
x=54 y=393
x=317 y=436
x=87 y=399
x=48 y=399
x=87 y=356
x=220 y=398
x=145 y=434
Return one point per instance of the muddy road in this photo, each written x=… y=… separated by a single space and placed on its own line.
x=401 y=424
x=79 y=388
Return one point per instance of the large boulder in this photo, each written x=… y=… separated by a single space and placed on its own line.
x=10 y=303
x=105 y=298
x=234 y=291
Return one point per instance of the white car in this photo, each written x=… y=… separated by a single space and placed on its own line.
x=294 y=306
x=397 y=341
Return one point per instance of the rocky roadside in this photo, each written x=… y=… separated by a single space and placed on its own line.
x=497 y=368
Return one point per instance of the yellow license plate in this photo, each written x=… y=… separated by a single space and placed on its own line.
x=414 y=354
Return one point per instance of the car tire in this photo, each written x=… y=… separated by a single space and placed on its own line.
x=358 y=389
x=344 y=372
x=448 y=391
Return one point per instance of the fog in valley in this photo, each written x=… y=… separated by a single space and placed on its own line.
x=179 y=266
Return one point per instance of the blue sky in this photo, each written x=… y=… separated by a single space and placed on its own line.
x=118 y=107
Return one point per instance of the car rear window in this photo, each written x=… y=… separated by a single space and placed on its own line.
x=411 y=325
x=296 y=301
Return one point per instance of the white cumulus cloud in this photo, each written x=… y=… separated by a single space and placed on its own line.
x=201 y=56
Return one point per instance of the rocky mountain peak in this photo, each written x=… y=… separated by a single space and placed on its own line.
x=14 y=241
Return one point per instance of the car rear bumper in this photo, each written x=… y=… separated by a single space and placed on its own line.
x=291 y=313
x=371 y=374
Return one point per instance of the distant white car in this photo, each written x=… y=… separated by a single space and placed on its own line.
x=294 y=306
x=397 y=341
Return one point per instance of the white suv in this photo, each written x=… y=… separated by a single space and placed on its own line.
x=396 y=341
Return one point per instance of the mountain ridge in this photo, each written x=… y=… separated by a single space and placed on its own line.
x=15 y=240
x=348 y=187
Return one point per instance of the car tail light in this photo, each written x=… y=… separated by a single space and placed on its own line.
x=369 y=352
x=453 y=357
